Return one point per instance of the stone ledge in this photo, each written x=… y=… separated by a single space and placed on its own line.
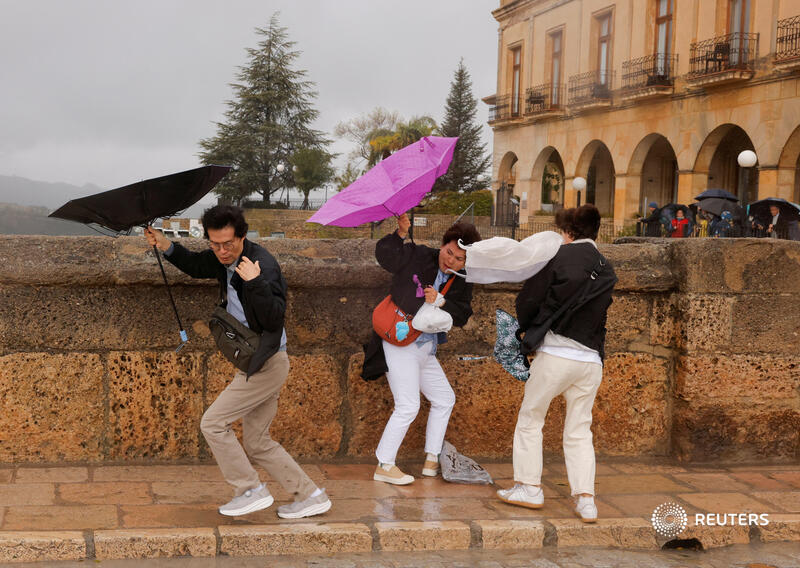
x=425 y=535
x=781 y=528
x=41 y=546
x=715 y=537
x=511 y=535
x=617 y=533
x=154 y=543
x=304 y=538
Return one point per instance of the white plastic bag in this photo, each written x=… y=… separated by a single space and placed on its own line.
x=499 y=259
x=430 y=319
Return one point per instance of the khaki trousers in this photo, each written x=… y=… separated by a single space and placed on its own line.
x=578 y=382
x=255 y=401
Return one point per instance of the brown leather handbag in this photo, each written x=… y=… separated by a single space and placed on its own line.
x=389 y=321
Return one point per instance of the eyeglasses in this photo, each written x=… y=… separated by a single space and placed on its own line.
x=228 y=245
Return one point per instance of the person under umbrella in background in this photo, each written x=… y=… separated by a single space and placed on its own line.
x=652 y=223
x=679 y=225
x=419 y=273
x=255 y=291
x=778 y=227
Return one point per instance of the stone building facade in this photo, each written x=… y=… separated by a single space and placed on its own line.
x=648 y=100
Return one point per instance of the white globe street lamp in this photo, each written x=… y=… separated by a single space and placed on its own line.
x=280 y=168
x=747 y=159
x=579 y=183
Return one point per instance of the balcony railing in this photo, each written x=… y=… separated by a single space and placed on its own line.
x=593 y=86
x=657 y=70
x=506 y=106
x=731 y=52
x=787 y=44
x=544 y=98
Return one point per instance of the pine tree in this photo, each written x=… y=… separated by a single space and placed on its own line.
x=268 y=120
x=471 y=160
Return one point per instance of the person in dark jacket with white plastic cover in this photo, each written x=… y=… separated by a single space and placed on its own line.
x=255 y=294
x=568 y=352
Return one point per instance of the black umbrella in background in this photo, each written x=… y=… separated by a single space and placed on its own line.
x=760 y=209
x=139 y=204
x=720 y=193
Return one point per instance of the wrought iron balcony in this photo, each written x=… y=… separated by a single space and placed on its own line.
x=544 y=99
x=657 y=70
x=590 y=89
x=787 y=44
x=506 y=107
x=732 y=55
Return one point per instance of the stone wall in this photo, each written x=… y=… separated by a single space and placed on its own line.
x=703 y=344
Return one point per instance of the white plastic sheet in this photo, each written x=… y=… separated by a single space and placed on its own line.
x=500 y=259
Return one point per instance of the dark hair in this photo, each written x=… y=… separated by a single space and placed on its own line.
x=221 y=216
x=579 y=222
x=466 y=232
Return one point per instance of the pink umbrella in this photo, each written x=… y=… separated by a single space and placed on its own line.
x=392 y=187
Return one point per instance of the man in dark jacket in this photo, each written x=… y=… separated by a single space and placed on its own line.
x=254 y=289
x=652 y=223
x=567 y=346
x=419 y=274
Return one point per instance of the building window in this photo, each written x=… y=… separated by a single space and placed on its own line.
x=663 y=46
x=604 y=48
x=555 y=68
x=738 y=25
x=516 y=79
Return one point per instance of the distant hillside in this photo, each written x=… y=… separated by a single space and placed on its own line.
x=26 y=220
x=23 y=191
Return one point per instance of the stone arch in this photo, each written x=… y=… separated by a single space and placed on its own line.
x=789 y=168
x=653 y=171
x=716 y=159
x=597 y=166
x=548 y=158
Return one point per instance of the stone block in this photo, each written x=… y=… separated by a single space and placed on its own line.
x=107 y=317
x=716 y=537
x=154 y=543
x=52 y=407
x=307 y=423
x=764 y=323
x=294 y=539
x=26 y=494
x=28 y=546
x=629 y=321
x=705 y=322
x=155 y=404
x=510 y=534
x=427 y=535
x=60 y=517
x=755 y=379
x=641 y=267
x=781 y=528
x=709 y=431
x=110 y=493
x=51 y=475
x=617 y=533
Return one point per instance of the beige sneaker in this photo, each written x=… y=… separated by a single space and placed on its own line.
x=391 y=474
x=430 y=468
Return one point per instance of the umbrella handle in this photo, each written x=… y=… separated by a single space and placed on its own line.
x=184 y=337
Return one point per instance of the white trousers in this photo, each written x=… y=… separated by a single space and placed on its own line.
x=413 y=369
x=578 y=381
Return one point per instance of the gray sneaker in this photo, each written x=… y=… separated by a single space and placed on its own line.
x=248 y=502
x=306 y=508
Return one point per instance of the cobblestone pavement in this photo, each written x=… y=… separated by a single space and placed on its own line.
x=107 y=512
x=777 y=555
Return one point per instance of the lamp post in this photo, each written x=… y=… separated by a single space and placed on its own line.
x=746 y=160
x=579 y=184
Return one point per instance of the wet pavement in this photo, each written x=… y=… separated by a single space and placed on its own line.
x=776 y=555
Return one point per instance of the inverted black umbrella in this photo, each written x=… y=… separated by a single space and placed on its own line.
x=760 y=209
x=139 y=204
x=721 y=193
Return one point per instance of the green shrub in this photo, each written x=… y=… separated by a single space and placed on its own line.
x=454 y=203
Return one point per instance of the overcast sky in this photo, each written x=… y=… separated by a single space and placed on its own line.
x=109 y=92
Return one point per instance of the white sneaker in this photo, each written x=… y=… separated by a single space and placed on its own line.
x=306 y=508
x=248 y=502
x=585 y=509
x=390 y=473
x=523 y=495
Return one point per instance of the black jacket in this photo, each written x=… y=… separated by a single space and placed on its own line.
x=263 y=298
x=652 y=224
x=558 y=282
x=404 y=260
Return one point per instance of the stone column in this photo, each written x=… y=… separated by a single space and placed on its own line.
x=689 y=185
x=776 y=182
x=626 y=198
